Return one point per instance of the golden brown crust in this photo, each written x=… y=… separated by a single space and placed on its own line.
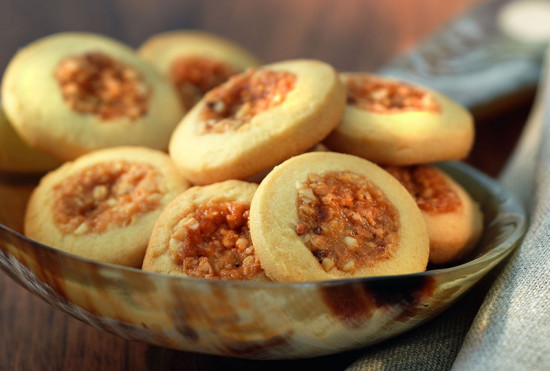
x=274 y=220
x=103 y=205
x=453 y=218
x=416 y=134
x=38 y=97
x=204 y=233
x=309 y=112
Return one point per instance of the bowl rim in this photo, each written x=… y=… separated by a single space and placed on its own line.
x=507 y=203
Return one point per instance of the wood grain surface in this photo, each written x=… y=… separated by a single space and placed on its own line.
x=350 y=34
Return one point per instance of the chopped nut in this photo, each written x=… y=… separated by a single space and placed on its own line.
x=242 y=243
x=383 y=96
x=428 y=187
x=249 y=260
x=219 y=107
x=204 y=265
x=81 y=229
x=327 y=264
x=236 y=102
x=95 y=83
x=307 y=193
x=349 y=266
x=105 y=195
x=350 y=241
x=348 y=220
x=218 y=232
x=100 y=192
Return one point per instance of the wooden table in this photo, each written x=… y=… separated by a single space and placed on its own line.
x=352 y=35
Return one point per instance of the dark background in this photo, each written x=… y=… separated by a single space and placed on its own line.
x=350 y=34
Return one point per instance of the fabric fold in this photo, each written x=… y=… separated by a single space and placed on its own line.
x=511 y=329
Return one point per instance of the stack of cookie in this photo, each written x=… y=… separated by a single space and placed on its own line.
x=345 y=189
x=405 y=128
x=108 y=113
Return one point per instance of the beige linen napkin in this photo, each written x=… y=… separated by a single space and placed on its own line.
x=511 y=329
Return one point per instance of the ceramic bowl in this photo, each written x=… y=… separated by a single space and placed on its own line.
x=259 y=320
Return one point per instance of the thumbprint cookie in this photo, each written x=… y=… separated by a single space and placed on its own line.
x=326 y=215
x=392 y=122
x=195 y=62
x=204 y=233
x=104 y=204
x=70 y=93
x=453 y=218
x=16 y=156
x=258 y=119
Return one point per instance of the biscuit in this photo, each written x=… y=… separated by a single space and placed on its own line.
x=453 y=218
x=204 y=233
x=103 y=205
x=391 y=122
x=70 y=93
x=17 y=156
x=326 y=215
x=257 y=120
x=258 y=177
x=195 y=61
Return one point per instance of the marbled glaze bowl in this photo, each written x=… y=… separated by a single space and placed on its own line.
x=253 y=319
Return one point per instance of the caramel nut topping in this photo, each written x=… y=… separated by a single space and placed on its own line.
x=235 y=103
x=105 y=195
x=430 y=190
x=346 y=221
x=383 y=96
x=94 y=83
x=193 y=76
x=214 y=242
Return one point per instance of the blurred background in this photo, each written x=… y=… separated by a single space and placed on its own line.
x=349 y=34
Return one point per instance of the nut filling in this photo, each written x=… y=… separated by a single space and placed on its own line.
x=429 y=189
x=94 y=83
x=214 y=242
x=231 y=105
x=105 y=196
x=193 y=76
x=346 y=221
x=381 y=96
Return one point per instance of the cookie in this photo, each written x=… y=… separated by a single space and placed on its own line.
x=103 y=205
x=257 y=178
x=326 y=215
x=453 y=218
x=17 y=156
x=195 y=61
x=70 y=93
x=257 y=120
x=392 y=122
x=204 y=233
